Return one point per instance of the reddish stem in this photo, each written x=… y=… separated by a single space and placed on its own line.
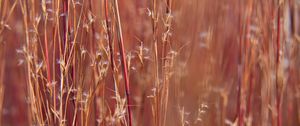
x=278 y=61
x=47 y=57
x=123 y=61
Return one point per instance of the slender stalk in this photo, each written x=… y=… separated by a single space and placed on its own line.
x=2 y=68
x=123 y=61
x=111 y=45
x=278 y=84
x=165 y=61
x=154 y=17
x=46 y=42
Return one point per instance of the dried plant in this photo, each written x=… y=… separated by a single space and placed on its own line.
x=149 y=63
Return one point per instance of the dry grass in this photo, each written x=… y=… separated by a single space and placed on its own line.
x=149 y=63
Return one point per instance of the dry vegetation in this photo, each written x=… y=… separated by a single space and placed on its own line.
x=150 y=62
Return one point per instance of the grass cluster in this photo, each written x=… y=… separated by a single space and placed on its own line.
x=149 y=62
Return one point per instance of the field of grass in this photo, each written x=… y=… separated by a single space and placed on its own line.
x=149 y=62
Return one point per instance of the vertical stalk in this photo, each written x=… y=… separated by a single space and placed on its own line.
x=278 y=54
x=165 y=64
x=123 y=61
x=154 y=17
x=110 y=41
x=244 y=69
x=46 y=42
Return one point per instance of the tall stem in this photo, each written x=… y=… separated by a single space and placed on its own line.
x=123 y=60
